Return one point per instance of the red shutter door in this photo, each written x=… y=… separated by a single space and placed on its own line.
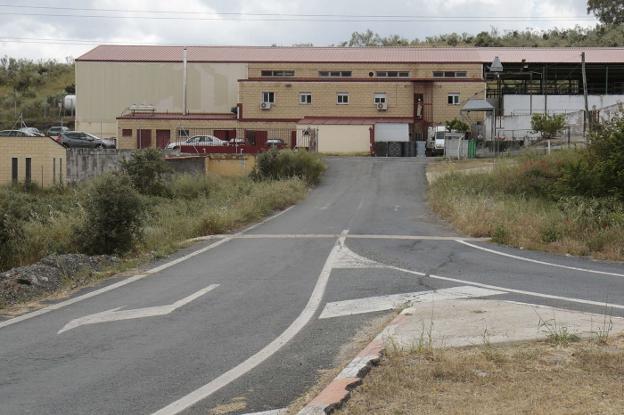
x=144 y=138
x=163 y=137
x=261 y=138
x=293 y=139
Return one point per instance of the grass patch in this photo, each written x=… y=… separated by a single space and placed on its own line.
x=530 y=202
x=48 y=220
x=532 y=378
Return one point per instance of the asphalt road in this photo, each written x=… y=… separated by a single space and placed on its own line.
x=252 y=339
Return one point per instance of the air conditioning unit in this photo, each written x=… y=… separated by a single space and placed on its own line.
x=382 y=106
x=265 y=106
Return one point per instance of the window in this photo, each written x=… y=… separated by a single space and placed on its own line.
x=14 y=167
x=335 y=74
x=126 y=132
x=278 y=73
x=392 y=74
x=268 y=97
x=342 y=98
x=28 y=170
x=379 y=98
x=450 y=74
x=183 y=133
x=305 y=98
x=453 y=98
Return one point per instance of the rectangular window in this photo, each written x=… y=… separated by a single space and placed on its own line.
x=126 y=132
x=60 y=170
x=54 y=170
x=335 y=74
x=278 y=73
x=305 y=98
x=450 y=74
x=342 y=98
x=392 y=74
x=28 y=170
x=183 y=133
x=268 y=97
x=453 y=98
x=14 y=169
x=379 y=98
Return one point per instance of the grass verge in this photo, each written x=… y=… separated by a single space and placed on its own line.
x=583 y=377
x=525 y=202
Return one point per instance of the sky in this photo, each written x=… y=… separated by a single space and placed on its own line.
x=59 y=29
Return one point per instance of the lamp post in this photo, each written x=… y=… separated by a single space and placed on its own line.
x=497 y=68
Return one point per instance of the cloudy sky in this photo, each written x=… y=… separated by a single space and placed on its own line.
x=57 y=29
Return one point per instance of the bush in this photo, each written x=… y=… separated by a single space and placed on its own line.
x=605 y=158
x=114 y=215
x=547 y=125
x=148 y=171
x=285 y=164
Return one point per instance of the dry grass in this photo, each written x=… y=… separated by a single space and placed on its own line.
x=535 y=378
x=482 y=205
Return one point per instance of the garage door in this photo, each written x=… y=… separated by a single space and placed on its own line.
x=385 y=132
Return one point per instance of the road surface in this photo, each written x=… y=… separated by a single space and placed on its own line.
x=237 y=321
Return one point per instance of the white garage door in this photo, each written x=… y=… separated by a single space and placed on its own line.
x=391 y=132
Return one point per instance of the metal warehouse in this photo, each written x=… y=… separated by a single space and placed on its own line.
x=147 y=96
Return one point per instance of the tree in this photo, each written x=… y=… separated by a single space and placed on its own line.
x=364 y=39
x=457 y=125
x=609 y=12
x=147 y=170
x=547 y=125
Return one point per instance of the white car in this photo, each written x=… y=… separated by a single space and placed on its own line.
x=198 y=141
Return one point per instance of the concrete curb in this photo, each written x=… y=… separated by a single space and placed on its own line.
x=339 y=390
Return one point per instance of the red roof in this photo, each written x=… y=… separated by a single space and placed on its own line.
x=353 y=120
x=135 y=53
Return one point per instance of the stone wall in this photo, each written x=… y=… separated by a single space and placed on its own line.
x=83 y=164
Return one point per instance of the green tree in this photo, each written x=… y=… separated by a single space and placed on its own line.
x=114 y=215
x=148 y=171
x=547 y=125
x=457 y=125
x=609 y=12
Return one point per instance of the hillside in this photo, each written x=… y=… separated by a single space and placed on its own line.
x=34 y=90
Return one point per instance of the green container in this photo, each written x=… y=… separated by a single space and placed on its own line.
x=472 y=149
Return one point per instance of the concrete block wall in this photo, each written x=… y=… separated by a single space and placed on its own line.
x=83 y=164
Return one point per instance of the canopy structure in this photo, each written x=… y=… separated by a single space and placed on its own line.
x=477 y=105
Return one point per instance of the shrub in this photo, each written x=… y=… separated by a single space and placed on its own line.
x=285 y=164
x=114 y=215
x=457 y=125
x=547 y=125
x=605 y=158
x=148 y=171
x=11 y=239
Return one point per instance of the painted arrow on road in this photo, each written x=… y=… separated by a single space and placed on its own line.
x=116 y=314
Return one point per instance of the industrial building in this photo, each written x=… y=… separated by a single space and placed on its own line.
x=147 y=96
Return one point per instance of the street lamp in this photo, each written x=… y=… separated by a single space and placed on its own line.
x=497 y=68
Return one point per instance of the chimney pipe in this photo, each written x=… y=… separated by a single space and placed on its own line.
x=184 y=98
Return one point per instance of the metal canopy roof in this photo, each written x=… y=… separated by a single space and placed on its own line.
x=477 y=105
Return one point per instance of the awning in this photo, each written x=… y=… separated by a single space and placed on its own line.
x=477 y=105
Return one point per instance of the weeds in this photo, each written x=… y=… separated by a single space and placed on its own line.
x=557 y=334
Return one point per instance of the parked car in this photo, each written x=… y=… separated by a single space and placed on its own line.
x=13 y=133
x=31 y=131
x=275 y=143
x=237 y=141
x=56 y=130
x=198 y=141
x=77 y=139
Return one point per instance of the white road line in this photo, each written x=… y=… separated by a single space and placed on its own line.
x=390 y=302
x=295 y=327
x=273 y=412
x=333 y=236
x=116 y=314
x=416 y=237
x=134 y=278
x=535 y=261
x=511 y=290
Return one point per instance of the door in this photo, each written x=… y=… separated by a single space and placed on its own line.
x=293 y=139
x=14 y=170
x=144 y=138
x=163 y=137
x=261 y=138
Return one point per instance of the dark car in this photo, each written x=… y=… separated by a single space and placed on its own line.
x=77 y=139
x=57 y=130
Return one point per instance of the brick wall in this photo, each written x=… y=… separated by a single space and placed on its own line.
x=443 y=111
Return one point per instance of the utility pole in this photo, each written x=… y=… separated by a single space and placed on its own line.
x=586 y=118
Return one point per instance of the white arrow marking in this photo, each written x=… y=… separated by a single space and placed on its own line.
x=392 y=301
x=115 y=315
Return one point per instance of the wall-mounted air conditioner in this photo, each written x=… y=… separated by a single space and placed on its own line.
x=382 y=106
x=265 y=106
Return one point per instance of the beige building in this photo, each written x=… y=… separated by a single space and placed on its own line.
x=138 y=93
x=39 y=160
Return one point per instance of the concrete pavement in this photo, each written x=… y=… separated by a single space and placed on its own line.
x=255 y=341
